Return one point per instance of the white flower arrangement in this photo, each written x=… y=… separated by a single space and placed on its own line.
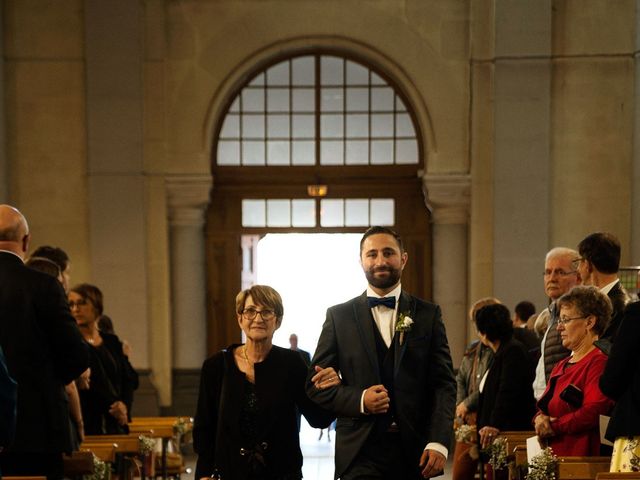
x=146 y=445
x=497 y=452
x=403 y=324
x=543 y=466
x=466 y=434
x=100 y=470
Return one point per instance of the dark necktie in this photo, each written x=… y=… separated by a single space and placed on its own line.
x=389 y=302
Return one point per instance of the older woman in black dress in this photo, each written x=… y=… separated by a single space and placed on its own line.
x=246 y=426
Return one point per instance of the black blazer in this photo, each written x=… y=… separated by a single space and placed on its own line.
x=44 y=352
x=424 y=387
x=619 y=299
x=507 y=401
x=8 y=392
x=280 y=381
x=620 y=380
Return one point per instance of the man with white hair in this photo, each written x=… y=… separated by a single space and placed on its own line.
x=44 y=351
x=559 y=277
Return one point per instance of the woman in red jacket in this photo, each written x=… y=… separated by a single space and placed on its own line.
x=570 y=408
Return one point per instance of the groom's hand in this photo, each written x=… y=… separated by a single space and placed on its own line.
x=431 y=463
x=376 y=399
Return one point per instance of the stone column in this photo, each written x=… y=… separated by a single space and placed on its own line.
x=448 y=197
x=188 y=198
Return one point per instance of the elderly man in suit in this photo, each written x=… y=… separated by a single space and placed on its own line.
x=396 y=402
x=44 y=352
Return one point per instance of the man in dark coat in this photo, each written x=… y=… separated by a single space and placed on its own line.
x=598 y=265
x=44 y=352
x=396 y=402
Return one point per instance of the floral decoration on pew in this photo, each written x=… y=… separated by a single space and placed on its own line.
x=468 y=434
x=183 y=429
x=497 y=453
x=543 y=466
x=100 y=470
x=147 y=445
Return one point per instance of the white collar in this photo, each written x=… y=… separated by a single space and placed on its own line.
x=607 y=288
x=393 y=293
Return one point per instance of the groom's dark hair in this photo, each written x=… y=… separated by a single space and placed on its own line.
x=385 y=230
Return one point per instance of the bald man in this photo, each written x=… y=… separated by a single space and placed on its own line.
x=44 y=351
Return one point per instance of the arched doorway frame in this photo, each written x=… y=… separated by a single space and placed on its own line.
x=222 y=241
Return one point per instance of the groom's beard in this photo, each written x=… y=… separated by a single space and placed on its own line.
x=383 y=282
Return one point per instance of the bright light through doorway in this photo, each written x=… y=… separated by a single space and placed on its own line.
x=311 y=272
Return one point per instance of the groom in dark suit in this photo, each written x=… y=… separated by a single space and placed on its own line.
x=396 y=402
x=44 y=352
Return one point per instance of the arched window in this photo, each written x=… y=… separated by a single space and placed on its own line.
x=317 y=110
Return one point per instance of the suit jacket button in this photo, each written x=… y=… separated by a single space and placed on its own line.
x=264 y=445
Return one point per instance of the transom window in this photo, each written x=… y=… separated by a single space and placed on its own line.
x=334 y=212
x=317 y=110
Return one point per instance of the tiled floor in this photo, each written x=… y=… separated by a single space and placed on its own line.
x=318 y=456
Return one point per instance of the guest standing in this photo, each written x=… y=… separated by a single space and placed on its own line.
x=476 y=361
x=44 y=352
x=106 y=405
x=570 y=408
x=506 y=392
x=621 y=382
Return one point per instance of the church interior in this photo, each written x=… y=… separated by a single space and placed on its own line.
x=157 y=141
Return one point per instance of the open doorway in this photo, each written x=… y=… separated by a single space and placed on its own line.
x=312 y=272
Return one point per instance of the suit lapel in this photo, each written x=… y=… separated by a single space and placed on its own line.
x=406 y=306
x=365 y=323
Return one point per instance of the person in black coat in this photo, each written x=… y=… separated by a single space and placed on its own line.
x=620 y=380
x=506 y=392
x=106 y=404
x=245 y=425
x=44 y=352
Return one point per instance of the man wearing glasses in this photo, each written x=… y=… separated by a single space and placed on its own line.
x=559 y=277
x=598 y=265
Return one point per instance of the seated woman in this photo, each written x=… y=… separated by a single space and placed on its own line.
x=570 y=408
x=106 y=404
x=245 y=425
x=506 y=392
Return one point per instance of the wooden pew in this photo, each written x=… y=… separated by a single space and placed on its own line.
x=515 y=439
x=23 y=478
x=104 y=451
x=163 y=428
x=582 y=468
x=618 y=476
x=79 y=463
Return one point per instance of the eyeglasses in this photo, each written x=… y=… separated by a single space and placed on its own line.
x=559 y=272
x=252 y=313
x=79 y=303
x=576 y=263
x=564 y=320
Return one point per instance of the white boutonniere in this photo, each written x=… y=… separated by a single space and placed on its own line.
x=403 y=324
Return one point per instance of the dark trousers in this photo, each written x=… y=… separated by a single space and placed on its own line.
x=382 y=458
x=32 y=464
